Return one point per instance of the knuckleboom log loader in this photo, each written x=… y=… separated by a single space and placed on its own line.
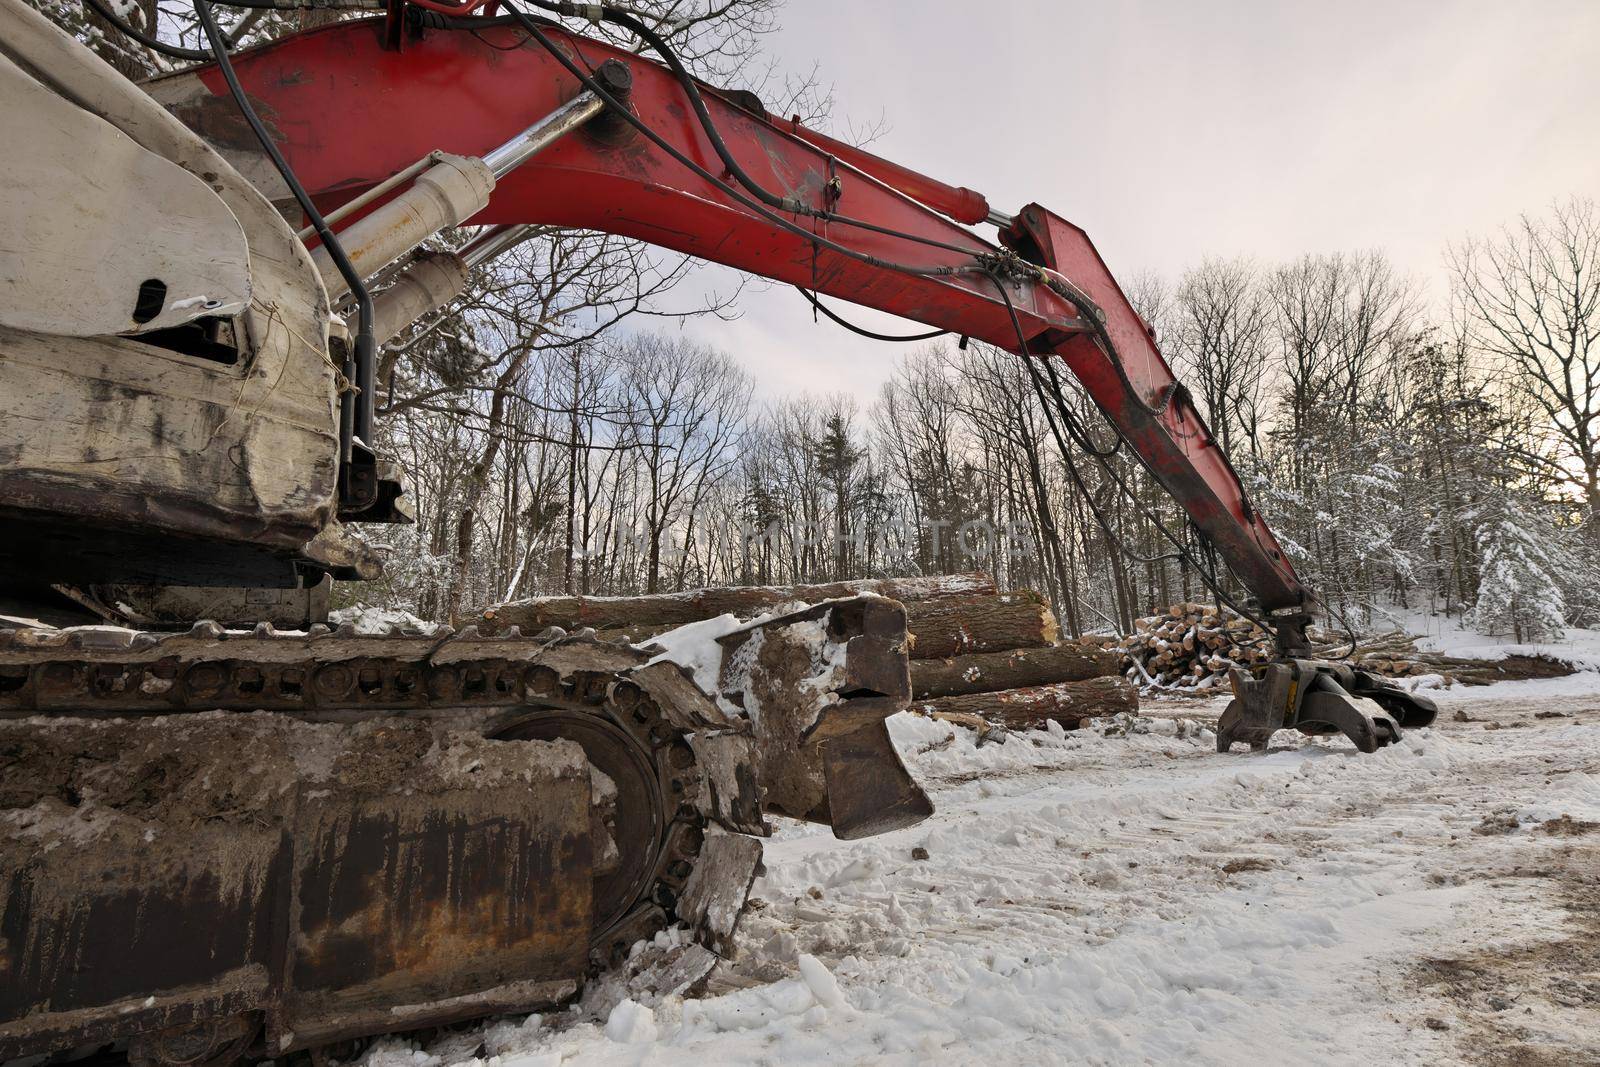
x=228 y=829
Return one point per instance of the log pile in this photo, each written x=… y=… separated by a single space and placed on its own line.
x=957 y=626
x=1192 y=646
x=974 y=649
x=1395 y=655
x=658 y=612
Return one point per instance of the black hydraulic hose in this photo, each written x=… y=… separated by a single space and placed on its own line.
x=1210 y=579
x=665 y=51
x=533 y=30
x=853 y=328
x=171 y=51
x=357 y=417
x=471 y=24
x=691 y=88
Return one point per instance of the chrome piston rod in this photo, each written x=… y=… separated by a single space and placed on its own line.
x=433 y=279
x=450 y=191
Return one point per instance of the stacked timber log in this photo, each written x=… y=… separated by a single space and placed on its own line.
x=662 y=611
x=1192 y=646
x=1395 y=655
x=974 y=650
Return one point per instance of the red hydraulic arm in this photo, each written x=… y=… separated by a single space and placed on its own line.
x=347 y=111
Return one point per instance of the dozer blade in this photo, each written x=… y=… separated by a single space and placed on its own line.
x=817 y=685
x=869 y=790
x=1317 y=698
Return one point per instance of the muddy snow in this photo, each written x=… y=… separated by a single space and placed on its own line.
x=1128 y=895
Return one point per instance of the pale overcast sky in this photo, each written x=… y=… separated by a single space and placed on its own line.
x=1172 y=130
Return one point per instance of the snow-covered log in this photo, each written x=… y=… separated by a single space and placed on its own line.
x=958 y=626
x=1067 y=703
x=988 y=672
x=662 y=611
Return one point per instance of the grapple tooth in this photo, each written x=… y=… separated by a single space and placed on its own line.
x=1259 y=707
x=1411 y=710
x=550 y=633
x=206 y=630
x=468 y=633
x=264 y=629
x=513 y=634
x=345 y=629
x=318 y=629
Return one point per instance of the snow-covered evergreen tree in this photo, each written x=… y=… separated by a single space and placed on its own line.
x=1519 y=592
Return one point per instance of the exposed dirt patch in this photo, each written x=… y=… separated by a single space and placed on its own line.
x=1531 y=1004
x=1497 y=822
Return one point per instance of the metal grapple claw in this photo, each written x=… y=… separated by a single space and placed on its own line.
x=1259 y=708
x=1318 y=698
x=1410 y=710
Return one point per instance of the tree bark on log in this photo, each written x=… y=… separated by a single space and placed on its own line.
x=1067 y=703
x=961 y=625
x=662 y=611
x=988 y=672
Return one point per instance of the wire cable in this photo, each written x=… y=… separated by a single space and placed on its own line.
x=360 y=408
x=533 y=30
x=1067 y=418
x=127 y=29
x=899 y=338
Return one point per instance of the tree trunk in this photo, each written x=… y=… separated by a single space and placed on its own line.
x=1068 y=703
x=955 y=626
x=988 y=672
x=659 y=612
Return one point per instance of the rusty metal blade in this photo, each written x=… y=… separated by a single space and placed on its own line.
x=869 y=789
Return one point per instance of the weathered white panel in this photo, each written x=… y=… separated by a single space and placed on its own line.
x=89 y=215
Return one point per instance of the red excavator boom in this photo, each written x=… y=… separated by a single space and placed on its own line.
x=351 y=104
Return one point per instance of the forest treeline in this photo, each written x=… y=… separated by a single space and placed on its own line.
x=1406 y=456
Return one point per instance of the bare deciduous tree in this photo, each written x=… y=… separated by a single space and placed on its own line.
x=1531 y=297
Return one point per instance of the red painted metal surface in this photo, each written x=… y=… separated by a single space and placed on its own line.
x=348 y=113
x=957 y=201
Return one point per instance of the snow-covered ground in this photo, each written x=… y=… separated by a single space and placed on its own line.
x=1438 y=632
x=1135 y=897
